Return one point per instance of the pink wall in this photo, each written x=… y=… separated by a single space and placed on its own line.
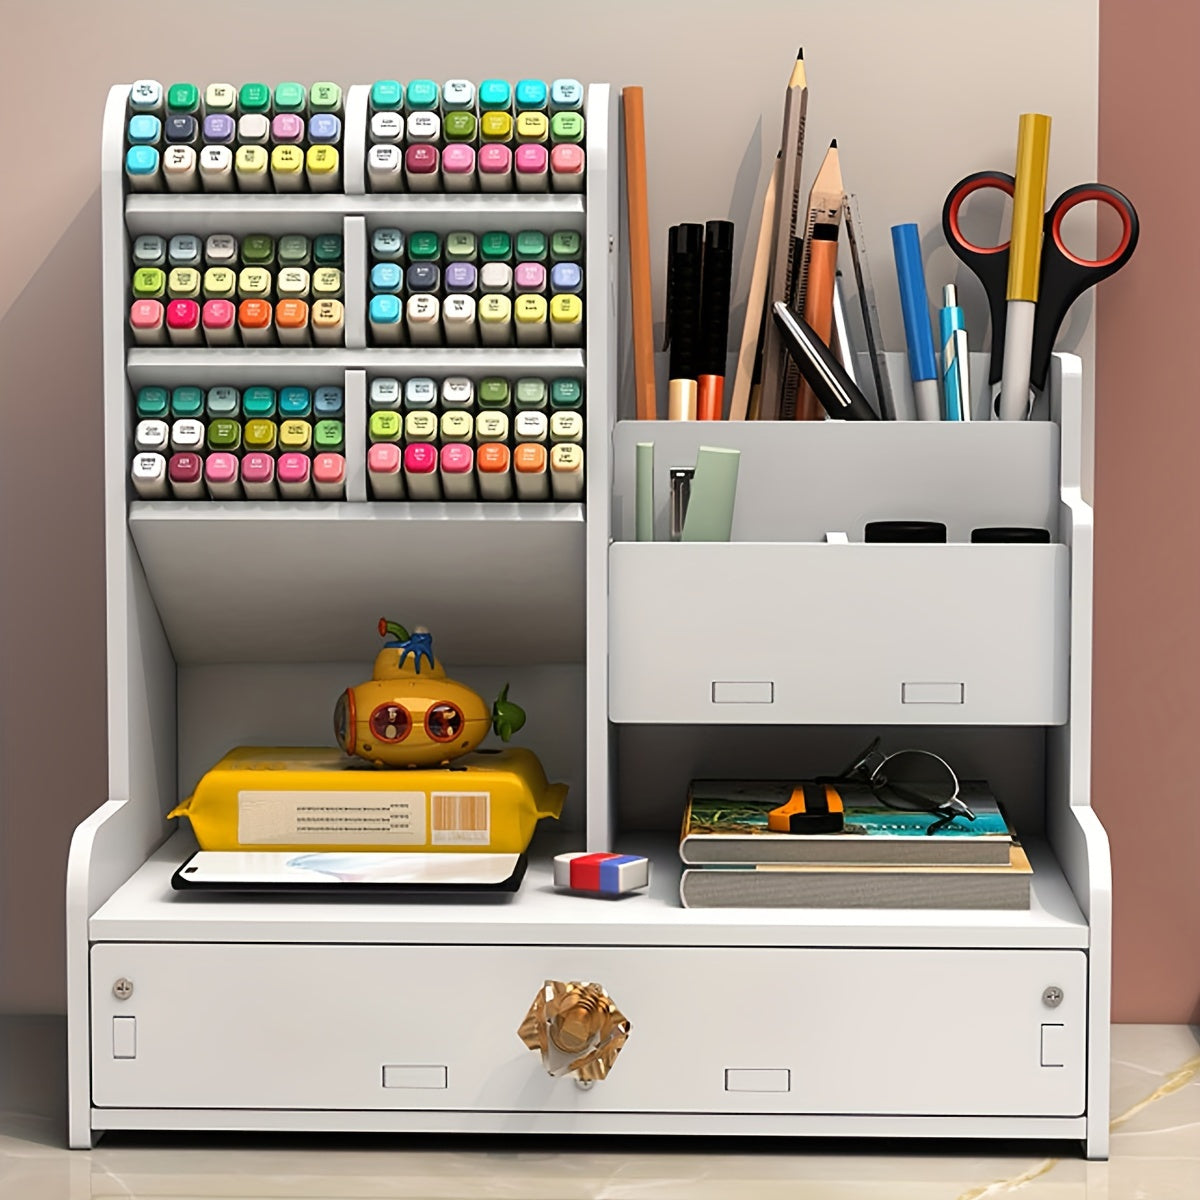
x=1147 y=658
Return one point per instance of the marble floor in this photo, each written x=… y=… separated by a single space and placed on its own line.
x=1155 y=1152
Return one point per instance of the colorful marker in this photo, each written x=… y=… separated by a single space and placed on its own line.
x=222 y=402
x=325 y=97
x=531 y=427
x=220 y=98
x=287 y=168
x=529 y=277
x=566 y=320
x=385 y=316
x=423 y=128
x=259 y=402
x=492 y=427
x=261 y=435
x=251 y=168
x=384 y=471
x=494 y=166
x=566 y=427
x=254 y=129
x=387 y=277
x=183 y=323
x=220 y=129
x=422 y=168
x=324 y=129
x=186 y=474
x=495 y=320
x=531 y=94
x=420 y=471
x=496 y=127
x=566 y=94
x=493 y=467
x=387 y=127
x=529 y=471
x=287 y=128
x=458 y=392
x=387 y=95
x=530 y=393
x=293 y=283
x=258 y=477
x=294 y=475
x=328 y=321
x=566 y=277
x=185 y=250
x=179 y=168
x=458 y=168
x=420 y=427
x=152 y=402
x=459 y=320
x=187 y=434
x=495 y=95
x=181 y=131
x=423 y=317
x=329 y=475
x=420 y=395
x=532 y=168
x=496 y=277
x=566 y=127
x=151 y=437
x=385 y=395
x=220 y=250
x=566 y=246
x=457 y=469
x=149 y=250
x=566 y=471
x=291 y=322
x=149 y=477
x=254 y=98
x=422 y=95
x=532 y=127
x=457 y=94
x=328 y=402
x=322 y=168
x=221 y=476
x=385 y=168
x=494 y=394
x=216 y=169
x=387 y=245
x=219 y=321
x=530 y=314
x=460 y=127
x=566 y=168
x=187 y=402
x=146 y=96
x=290 y=98
x=461 y=277
x=460 y=247
x=145 y=130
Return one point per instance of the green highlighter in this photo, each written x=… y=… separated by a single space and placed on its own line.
x=254 y=98
x=424 y=247
x=152 y=403
x=531 y=393
x=461 y=247
x=327 y=249
x=258 y=402
x=328 y=436
x=566 y=127
x=566 y=393
x=531 y=246
x=566 y=246
x=290 y=98
x=495 y=247
x=493 y=393
x=187 y=402
x=183 y=98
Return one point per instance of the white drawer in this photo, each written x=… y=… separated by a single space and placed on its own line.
x=804 y=633
x=815 y=1031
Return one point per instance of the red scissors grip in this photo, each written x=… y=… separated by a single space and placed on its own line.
x=981 y=181
x=1102 y=194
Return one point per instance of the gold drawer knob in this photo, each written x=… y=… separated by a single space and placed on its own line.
x=576 y=1028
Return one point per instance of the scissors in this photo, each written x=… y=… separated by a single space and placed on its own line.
x=1064 y=275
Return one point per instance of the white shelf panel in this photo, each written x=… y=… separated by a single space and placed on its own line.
x=205 y=367
x=211 y=212
x=281 y=582
x=146 y=909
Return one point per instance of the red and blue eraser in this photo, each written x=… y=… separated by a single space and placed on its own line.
x=608 y=874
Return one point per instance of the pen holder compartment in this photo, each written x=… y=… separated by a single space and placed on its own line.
x=766 y=633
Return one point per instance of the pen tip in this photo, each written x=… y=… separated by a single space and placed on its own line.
x=833 y=144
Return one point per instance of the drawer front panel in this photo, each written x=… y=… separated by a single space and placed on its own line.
x=779 y=633
x=886 y=1032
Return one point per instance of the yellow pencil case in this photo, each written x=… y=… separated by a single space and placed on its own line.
x=296 y=798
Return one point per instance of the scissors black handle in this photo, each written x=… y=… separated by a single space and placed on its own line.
x=989 y=263
x=1065 y=276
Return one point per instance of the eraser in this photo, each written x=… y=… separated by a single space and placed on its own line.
x=606 y=874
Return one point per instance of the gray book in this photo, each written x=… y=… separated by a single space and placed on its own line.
x=828 y=886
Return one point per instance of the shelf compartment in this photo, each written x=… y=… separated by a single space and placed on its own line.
x=145 y=908
x=799 y=633
x=211 y=212
x=244 y=366
x=281 y=582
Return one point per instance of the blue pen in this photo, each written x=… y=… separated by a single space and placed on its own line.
x=918 y=332
x=952 y=332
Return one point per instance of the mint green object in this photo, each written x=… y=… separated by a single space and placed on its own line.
x=714 y=490
x=422 y=95
x=644 y=493
x=566 y=246
x=566 y=127
x=531 y=246
x=290 y=97
x=387 y=95
x=325 y=97
x=328 y=436
x=531 y=393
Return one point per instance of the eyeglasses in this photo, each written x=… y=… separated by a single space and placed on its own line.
x=910 y=781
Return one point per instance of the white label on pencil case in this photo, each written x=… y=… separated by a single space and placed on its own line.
x=460 y=818
x=331 y=818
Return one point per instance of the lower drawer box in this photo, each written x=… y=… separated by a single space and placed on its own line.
x=858 y=634
x=751 y=1030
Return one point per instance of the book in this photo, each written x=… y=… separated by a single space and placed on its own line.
x=832 y=886
x=726 y=822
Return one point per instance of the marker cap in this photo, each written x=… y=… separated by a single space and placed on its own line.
x=530 y=277
x=457 y=392
x=258 y=249
x=254 y=98
x=531 y=93
x=385 y=393
x=420 y=458
x=185 y=467
x=566 y=168
x=261 y=434
x=531 y=162
x=216 y=168
x=329 y=474
x=532 y=246
x=224 y=434
x=530 y=393
x=329 y=435
x=460 y=277
x=384 y=309
x=387 y=245
x=259 y=402
x=385 y=167
x=494 y=162
x=151 y=436
x=327 y=249
x=295 y=402
x=496 y=127
x=254 y=314
x=421 y=165
x=183 y=315
x=457 y=94
x=291 y=320
x=424 y=246
x=149 y=476
x=287 y=164
x=423 y=127
x=566 y=94
x=295 y=435
x=496 y=277
x=458 y=166
x=327 y=283
x=566 y=310
x=493 y=393
x=422 y=94
x=181 y=130
x=290 y=98
x=149 y=283
x=222 y=402
x=386 y=277
x=423 y=277
x=328 y=319
x=457 y=426
x=496 y=247
x=184 y=250
x=460 y=247
x=187 y=434
x=493 y=458
x=149 y=250
x=183 y=98
x=146 y=95
x=294 y=468
x=457 y=459
x=184 y=283
x=383 y=458
x=566 y=393
x=145 y=129
x=286 y=127
x=532 y=426
x=566 y=426
x=566 y=245
x=250 y=165
x=494 y=94
x=532 y=127
x=324 y=128
x=529 y=458
x=219 y=129
x=220 y=98
x=328 y=401
x=254 y=283
x=293 y=283
x=387 y=127
x=152 y=402
x=141 y=164
x=325 y=97
x=459 y=319
x=187 y=401
x=219 y=316
x=566 y=277
x=459 y=126
x=258 y=470
x=420 y=426
x=254 y=129
x=387 y=95
x=495 y=310
x=566 y=127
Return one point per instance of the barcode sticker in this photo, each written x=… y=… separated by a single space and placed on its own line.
x=460 y=818
x=335 y=818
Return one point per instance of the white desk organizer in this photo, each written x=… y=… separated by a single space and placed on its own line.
x=251 y=1015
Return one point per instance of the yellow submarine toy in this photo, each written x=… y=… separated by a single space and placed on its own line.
x=409 y=714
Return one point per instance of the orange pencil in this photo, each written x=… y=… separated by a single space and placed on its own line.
x=819 y=270
x=639 y=252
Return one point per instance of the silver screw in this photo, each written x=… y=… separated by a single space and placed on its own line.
x=123 y=988
x=1052 y=997
x=585 y=1085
